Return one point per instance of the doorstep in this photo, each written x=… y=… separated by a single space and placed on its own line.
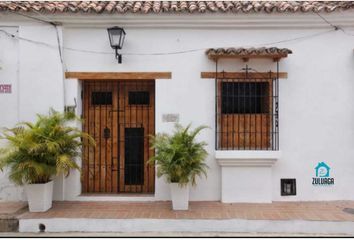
x=121 y=197
x=8 y=215
x=277 y=217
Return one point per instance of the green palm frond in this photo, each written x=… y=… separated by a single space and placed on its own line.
x=35 y=152
x=180 y=157
x=65 y=163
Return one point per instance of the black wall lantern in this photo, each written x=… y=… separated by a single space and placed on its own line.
x=116 y=38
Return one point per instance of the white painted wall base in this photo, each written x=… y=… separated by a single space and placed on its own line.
x=246 y=176
x=58 y=188
x=186 y=225
x=246 y=184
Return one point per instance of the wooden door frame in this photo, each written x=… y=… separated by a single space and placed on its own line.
x=116 y=76
x=95 y=185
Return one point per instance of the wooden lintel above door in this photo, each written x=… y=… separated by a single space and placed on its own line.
x=243 y=75
x=118 y=75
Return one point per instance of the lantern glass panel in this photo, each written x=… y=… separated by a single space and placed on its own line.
x=116 y=37
x=122 y=40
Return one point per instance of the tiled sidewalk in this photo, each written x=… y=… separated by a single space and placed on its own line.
x=320 y=211
x=11 y=208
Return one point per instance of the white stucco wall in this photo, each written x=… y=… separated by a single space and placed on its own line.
x=36 y=75
x=9 y=68
x=316 y=101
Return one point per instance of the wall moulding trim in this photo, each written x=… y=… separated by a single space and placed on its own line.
x=180 y=20
x=246 y=162
x=118 y=75
x=247 y=158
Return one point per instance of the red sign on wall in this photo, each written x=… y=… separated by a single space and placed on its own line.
x=5 y=88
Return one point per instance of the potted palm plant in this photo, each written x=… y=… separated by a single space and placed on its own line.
x=36 y=152
x=180 y=158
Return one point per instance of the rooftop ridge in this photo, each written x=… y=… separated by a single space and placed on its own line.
x=156 y=7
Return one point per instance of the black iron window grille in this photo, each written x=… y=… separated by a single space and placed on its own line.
x=139 y=98
x=247 y=113
x=101 y=98
x=244 y=97
x=134 y=156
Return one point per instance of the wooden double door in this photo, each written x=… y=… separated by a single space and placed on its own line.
x=120 y=116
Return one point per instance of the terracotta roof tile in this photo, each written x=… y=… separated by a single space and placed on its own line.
x=145 y=7
x=271 y=52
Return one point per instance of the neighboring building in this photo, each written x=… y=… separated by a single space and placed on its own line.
x=268 y=130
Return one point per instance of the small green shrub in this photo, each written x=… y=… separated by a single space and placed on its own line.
x=35 y=152
x=178 y=156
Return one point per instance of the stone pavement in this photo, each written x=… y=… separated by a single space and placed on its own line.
x=314 y=211
x=73 y=218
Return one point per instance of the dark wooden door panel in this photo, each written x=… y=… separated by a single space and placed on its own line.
x=120 y=115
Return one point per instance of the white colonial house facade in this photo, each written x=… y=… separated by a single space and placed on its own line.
x=274 y=81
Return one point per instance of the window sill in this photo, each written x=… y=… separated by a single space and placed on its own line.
x=247 y=158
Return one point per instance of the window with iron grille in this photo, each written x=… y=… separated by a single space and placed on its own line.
x=139 y=98
x=244 y=97
x=247 y=114
x=101 y=98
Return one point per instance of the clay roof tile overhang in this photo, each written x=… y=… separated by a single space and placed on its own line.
x=246 y=53
x=156 y=7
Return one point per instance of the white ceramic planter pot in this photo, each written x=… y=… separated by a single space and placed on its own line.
x=180 y=196
x=39 y=196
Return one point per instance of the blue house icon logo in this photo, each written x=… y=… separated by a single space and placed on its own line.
x=322 y=170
